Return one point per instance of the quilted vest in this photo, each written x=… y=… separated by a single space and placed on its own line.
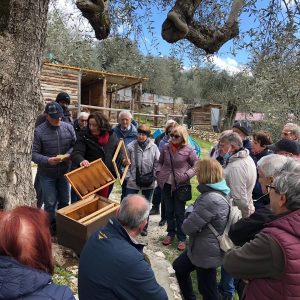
x=286 y=232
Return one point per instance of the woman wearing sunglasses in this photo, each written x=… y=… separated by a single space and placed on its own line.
x=271 y=261
x=175 y=167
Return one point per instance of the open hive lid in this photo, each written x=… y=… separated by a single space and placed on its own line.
x=87 y=181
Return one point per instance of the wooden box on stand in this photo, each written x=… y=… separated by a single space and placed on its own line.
x=76 y=222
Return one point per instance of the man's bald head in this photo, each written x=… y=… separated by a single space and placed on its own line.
x=134 y=210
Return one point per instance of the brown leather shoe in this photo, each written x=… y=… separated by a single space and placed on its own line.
x=168 y=240
x=181 y=246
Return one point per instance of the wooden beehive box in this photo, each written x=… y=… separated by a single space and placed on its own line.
x=76 y=222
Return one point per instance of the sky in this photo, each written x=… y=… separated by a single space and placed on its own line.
x=223 y=60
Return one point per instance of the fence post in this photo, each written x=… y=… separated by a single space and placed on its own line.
x=156 y=112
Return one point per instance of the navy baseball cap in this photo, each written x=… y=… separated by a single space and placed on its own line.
x=54 y=110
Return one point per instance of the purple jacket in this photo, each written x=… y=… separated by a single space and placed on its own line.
x=285 y=231
x=183 y=162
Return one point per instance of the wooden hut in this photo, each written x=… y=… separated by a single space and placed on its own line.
x=86 y=87
x=205 y=117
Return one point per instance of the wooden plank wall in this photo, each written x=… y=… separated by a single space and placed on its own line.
x=201 y=116
x=55 y=80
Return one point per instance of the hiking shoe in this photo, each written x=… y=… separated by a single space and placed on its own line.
x=144 y=233
x=168 y=240
x=162 y=222
x=181 y=246
x=154 y=211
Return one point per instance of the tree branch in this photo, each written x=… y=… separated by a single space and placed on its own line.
x=96 y=11
x=180 y=25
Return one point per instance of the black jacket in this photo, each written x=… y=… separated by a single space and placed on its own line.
x=245 y=229
x=87 y=148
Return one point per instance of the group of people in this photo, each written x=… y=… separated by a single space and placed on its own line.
x=240 y=172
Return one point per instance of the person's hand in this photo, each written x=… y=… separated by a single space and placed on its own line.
x=53 y=161
x=65 y=157
x=85 y=163
x=126 y=162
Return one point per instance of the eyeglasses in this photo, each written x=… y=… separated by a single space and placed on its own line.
x=175 y=136
x=269 y=187
x=286 y=133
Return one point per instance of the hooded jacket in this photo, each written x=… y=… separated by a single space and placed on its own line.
x=18 y=281
x=210 y=207
x=147 y=161
x=240 y=175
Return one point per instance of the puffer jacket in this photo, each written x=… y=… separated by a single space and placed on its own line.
x=240 y=175
x=50 y=141
x=18 y=281
x=210 y=207
x=285 y=231
x=147 y=161
x=183 y=162
x=88 y=148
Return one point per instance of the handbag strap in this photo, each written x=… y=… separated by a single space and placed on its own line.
x=136 y=158
x=209 y=225
x=171 y=158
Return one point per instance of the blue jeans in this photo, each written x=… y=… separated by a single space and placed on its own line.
x=56 y=193
x=146 y=193
x=174 y=213
x=207 y=279
x=226 y=285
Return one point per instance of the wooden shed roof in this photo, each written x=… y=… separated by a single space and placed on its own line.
x=119 y=81
x=211 y=105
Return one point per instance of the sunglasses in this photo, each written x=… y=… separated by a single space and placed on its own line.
x=175 y=136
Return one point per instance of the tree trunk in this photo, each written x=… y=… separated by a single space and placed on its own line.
x=22 y=39
x=229 y=115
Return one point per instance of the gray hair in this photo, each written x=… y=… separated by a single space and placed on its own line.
x=125 y=112
x=83 y=114
x=130 y=215
x=224 y=133
x=295 y=129
x=233 y=139
x=288 y=184
x=272 y=165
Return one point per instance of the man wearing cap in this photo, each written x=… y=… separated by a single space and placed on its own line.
x=289 y=148
x=63 y=99
x=243 y=129
x=53 y=142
